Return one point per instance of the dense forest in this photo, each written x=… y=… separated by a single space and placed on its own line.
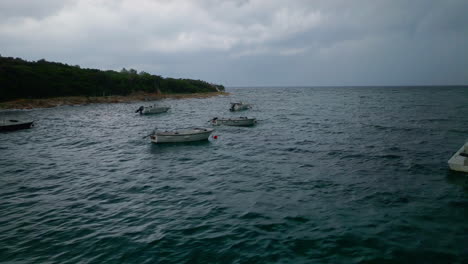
x=42 y=79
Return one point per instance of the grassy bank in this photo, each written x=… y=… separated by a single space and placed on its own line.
x=82 y=100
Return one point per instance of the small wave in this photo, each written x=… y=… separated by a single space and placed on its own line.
x=253 y=215
x=304 y=142
x=392 y=128
x=334 y=153
x=387 y=198
x=458 y=131
x=459 y=204
x=299 y=150
x=353 y=156
x=324 y=184
x=189 y=231
x=272 y=227
x=298 y=219
x=435 y=120
x=393 y=149
x=389 y=156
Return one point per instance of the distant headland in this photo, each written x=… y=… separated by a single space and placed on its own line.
x=25 y=84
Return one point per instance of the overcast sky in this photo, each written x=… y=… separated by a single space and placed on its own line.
x=249 y=43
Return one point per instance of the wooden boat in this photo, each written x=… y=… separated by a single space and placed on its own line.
x=239 y=106
x=459 y=161
x=13 y=124
x=152 y=109
x=181 y=135
x=238 y=121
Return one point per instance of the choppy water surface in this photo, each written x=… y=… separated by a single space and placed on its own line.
x=328 y=175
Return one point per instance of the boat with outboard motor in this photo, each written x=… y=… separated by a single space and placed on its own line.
x=239 y=106
x=237 y=121
x=181 y=135
x=14 y=124
x=459 y=160
x=152 y=109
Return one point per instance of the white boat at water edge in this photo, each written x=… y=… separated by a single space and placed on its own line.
x=181 y=135
x=239 y=106
x=152 y=109
x=459 y=161
x=238 y=121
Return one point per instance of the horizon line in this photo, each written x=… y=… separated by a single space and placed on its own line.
x=337 y=86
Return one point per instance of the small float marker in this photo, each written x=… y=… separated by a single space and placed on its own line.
x=215 y=137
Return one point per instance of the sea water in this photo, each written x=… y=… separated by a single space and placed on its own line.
x=327 y=175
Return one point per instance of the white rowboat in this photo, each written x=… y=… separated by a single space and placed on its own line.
x=239 y=121
x=459 y=161
x=181 y=135
x=153 y=109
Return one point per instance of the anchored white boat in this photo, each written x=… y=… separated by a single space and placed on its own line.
x=239 y=106
x=181 y=135
x=152 y=109
x=13 y=124
x=459 y=161
x=238 y=121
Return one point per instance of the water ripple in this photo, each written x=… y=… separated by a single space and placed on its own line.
x=328 y=175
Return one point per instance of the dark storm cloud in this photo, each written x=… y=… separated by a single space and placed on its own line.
x=255 y=42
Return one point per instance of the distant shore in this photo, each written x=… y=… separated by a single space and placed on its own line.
x=83 y=100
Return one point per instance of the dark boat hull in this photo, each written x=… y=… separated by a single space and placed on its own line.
x=13 y=127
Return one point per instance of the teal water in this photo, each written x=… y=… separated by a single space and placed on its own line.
x=328 y=175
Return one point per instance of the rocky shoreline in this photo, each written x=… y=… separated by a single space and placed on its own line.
x=83 y=100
